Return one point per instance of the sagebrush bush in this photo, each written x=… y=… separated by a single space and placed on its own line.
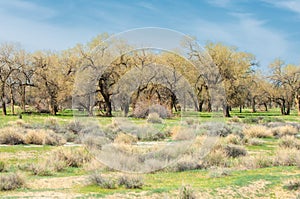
x=131 y=181
x=123 y=138
x=41 y=169
x=44 y=137
x=187 y=192
x=257 y=161
x=219 y=172
x=11 y=181
x=154 y=118
x=235 y=151
x=254 y=142
x=75 y=126
x=187 y=163
x=281 y=131
x=94 y=141
x=51 y=122
x=257 y=131
x=19 y=123
x=104 y=182
x=217 y=128
x=233 y=139
x=289 y=142
x=215 y=158
x=12 y=136
x=292 y=184
x=286 y=156
x=72 y=157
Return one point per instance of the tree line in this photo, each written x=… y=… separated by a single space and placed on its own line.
x=134 y=79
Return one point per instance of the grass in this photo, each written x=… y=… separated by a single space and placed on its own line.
x=162 y=182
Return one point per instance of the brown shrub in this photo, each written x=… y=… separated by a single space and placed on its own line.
x=287 y=156
x=181 y=133
x=281 y=131
x=44 y=137
x=234 y=151
x=257 y=131
x=11 y=181
x=123 y=138
x=289 y=142
x=12 y=136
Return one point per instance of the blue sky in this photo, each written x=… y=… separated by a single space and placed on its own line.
x=267 y=28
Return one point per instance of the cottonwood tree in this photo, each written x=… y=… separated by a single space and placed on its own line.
x=286 y=85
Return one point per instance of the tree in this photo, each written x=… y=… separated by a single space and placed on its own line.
x=286 y=85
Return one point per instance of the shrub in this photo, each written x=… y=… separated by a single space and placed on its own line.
x=12 y=136
x=235 y=119
x=180 y=133
x=75 y=126
x=234 y=151
x=19 y=123
x=217 y=128
x=186 y=192
x=281 y=131
x=292 y=184
x=103 y=182
x=287 y=156
x=51 y=122
x=72 y=157
x=154 y=118
x=123 y=138
x=94 y=141
x=257 y=131
x=131 y=181
x=41 y=169
x=219 y=172
x=44 y=137
x=258 y=161
x=11 y=181
x=289 y=142
x=233 y=139
x=187 y=163
x=215 y=158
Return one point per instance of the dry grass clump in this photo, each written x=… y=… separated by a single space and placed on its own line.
x=187 y=163
x=11 y=181
x=51 y=122
x=154 y=118
x=73 y=157
x=131 y=181
x=257 y=161
x=12 y=136
x=292 y=184
x=289 y=142
x=104 y=182
x=123 y=138
x=216 y=158
x=233 y=139
x=181 y=133
x=254 y=142
x=257 y=131
x=281 y=131
x=18 y=123
x=187 y=192
x=234 y=151
x=44 y=137
x=287 y=156
x=219 y=172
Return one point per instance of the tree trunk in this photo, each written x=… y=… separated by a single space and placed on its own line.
x=226 y=109
x=253 y=105
x=266 y=107
x=53 y=106
x=209 y=108
x=288 y=109
x=3 y=100
x=23 y=99
x=108 y=108
x=241 y=108
x=12 y=101
x=201 y=106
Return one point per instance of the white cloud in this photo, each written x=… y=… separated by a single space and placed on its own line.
x=292 y=5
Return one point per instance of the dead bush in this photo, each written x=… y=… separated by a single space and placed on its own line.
x=219 y=172
x=233 y=139
x=154 y=118
x=44 y=137
x=257 y=131
x=104 y=182
x=187 y=192
x=73 y=157
x=286 y=156
x=292 y=184
x=289 y=142
x=123 y=138
x=234 y=151
x=281 y=131
x=131 y=181
x=181 y=133
x=12 y=136
x=11 y=181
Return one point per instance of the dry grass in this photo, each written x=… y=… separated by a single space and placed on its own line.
x=289 y=142
x=12 y=136
x=154 y=118
x=123 y=138
x=281 y=131
x=287 y=156
x=181 y=133
x=44 y=137
x=257 y=131
x=11 y=181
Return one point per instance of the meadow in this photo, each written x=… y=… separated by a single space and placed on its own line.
x=256 y=155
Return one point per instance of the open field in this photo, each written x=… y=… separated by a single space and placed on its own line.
x=257 y=156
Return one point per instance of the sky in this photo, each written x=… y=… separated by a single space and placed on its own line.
x=268 y=29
